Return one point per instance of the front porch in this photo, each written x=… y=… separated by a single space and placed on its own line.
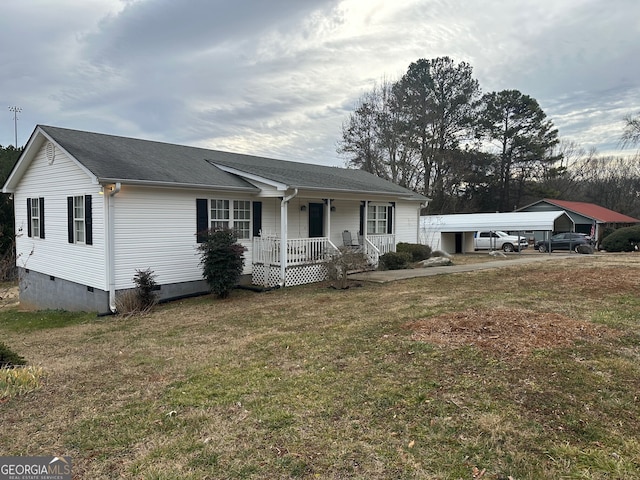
x=297 y=261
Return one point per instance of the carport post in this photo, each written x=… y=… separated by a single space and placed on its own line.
x=548 y=234
x=519 y=249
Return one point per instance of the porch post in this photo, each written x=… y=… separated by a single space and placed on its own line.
x=366 y=217
x=283 y=240
x=284 y=217
x=328 y=235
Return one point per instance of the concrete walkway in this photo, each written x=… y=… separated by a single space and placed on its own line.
x=384 y=276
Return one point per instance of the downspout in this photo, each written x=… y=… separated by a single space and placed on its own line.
x=284 y=204
x=110 y=250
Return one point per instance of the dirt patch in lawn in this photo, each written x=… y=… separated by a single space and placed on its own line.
x=8 y=295
x=505 y=332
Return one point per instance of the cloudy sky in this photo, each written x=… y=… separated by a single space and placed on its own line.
x=279 y=77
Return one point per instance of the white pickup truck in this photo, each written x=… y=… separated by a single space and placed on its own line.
x=497 y=240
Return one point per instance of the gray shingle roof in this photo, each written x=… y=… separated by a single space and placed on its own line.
x=125 y=159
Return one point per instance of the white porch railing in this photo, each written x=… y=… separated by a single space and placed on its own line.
x=377 y=245
x=300 y=251
x=306 y=258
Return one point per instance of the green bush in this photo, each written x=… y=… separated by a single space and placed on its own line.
x=146 y=285
x=395 y=261
x=417 y=251
x=622 y=240
x=9 y=358
x=222 y=260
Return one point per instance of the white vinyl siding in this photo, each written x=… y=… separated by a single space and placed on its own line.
x=156 y=228
x=406 y=222
x=54 y=255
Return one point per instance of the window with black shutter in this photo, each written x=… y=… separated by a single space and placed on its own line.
x=80 y=219
x=35 y=217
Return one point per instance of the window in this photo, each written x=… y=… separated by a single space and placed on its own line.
x=242 y=217
x=377 y=220
x=219 y=213
x=35 y=217
x=79 y=219
x=235 y=214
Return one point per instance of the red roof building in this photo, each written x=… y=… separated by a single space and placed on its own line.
x=587 y=217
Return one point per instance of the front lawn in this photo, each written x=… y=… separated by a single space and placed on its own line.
x=525 y=372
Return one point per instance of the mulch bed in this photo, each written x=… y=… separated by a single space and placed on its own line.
x=505 y=332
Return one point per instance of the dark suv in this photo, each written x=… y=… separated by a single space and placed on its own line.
x=564 y=241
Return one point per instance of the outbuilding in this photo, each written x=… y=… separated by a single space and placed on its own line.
x=588 y=218
x=455 y=233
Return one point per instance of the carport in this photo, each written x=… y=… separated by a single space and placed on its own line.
x=455 y=233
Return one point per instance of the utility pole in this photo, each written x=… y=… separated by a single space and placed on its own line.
x=15 y=111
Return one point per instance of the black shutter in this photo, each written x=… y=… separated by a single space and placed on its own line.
x=202 y=219
x=362 y=214
x=88 y=220
x=70 y=235
x=390 y=219
x=29 y=217
x=41 y=201
x=257 y=218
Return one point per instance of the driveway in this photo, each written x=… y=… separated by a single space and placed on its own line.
x=384 y=276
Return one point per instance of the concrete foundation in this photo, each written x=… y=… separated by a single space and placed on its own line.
x=44 y=292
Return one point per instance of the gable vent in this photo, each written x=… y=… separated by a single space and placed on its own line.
x=50 y=151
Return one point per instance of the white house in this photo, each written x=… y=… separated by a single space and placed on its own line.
x=91 y=209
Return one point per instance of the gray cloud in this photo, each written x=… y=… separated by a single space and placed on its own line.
x=278 y=78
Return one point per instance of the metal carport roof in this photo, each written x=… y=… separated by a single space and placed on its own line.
x=510 y=221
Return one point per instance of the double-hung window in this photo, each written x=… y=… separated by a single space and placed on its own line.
x=233 y=214
x=78 y=219
x=219 y=213
x=35 y=217
x=242 y=218
x=377 y=218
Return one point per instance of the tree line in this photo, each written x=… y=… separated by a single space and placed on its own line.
x=8 y=157
x=434 y=131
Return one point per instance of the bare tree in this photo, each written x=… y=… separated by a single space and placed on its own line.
x=376 y=138
x=631 y=134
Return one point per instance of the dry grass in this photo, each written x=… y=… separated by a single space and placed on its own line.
x=16 y=381
x=525 y=372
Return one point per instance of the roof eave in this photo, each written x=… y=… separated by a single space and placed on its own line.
x=408 y=196
x=154 y=183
